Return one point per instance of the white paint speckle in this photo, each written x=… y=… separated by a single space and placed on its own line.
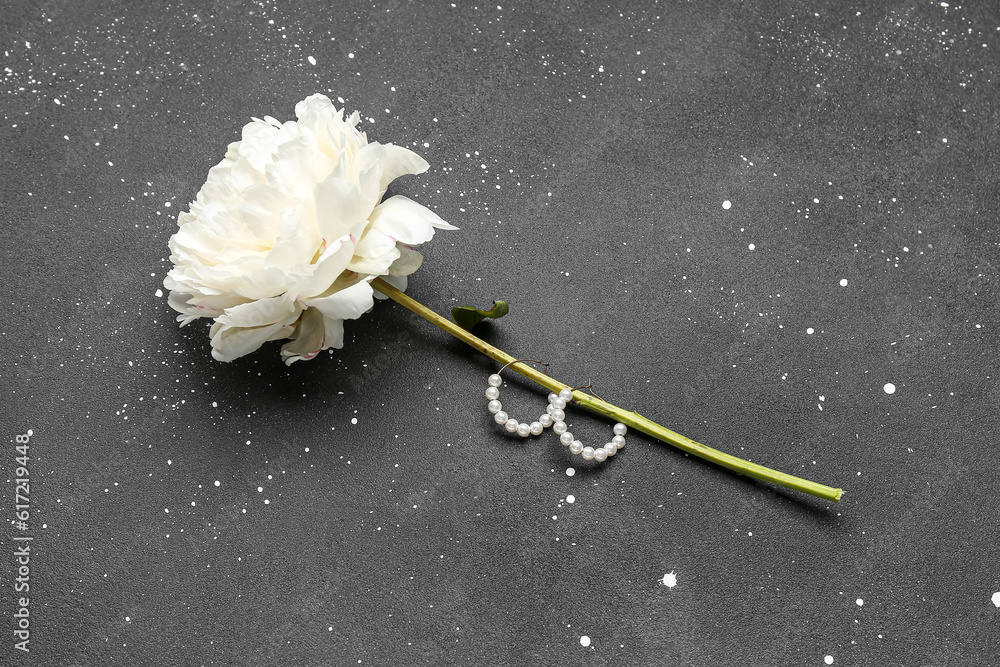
x=810 y=331
x=350 y=55
x=570 y=472
x=570 y=499
x=727 y=204
x=859 y=602
x=752 y=247
x=354 y=420
x=889 y=388
x=996 y=599
x=669 y=579
x=843 y=282
x=828 y=659
x=218 y=483
x=585 y=641
x=159 y=293
x=312 y=61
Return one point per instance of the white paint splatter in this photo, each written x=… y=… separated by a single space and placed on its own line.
x=996 y=599
x=669 y=579
x=727 y=204
x=585 y=641
x=889 y=388
x=571 y=499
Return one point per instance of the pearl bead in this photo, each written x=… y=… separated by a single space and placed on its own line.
x=553 y=397
x=566 y=438
x=500 y=417
x=576 y=447
x=546 y=420
x=610 y=449
x=618 y=441
x=492 y=393
x=558 y=403
x=600 y=454
x=558 y=415
x=524 y=429
x=588 y=453
x=549 y=409
x=536 y=428
x=511 y=425
x=560 y=427
x=494 y=406
x=566 y=394
x=494 y=380
x=620 y=429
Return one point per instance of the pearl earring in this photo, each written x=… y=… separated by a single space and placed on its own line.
x=523 y=429
x=555 y=416
x=557 y=402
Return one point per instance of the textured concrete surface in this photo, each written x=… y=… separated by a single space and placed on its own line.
x=188 y=512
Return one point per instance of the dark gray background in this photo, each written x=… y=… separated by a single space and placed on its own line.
x=855 y=142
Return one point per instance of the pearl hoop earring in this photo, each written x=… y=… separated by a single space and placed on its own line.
x=555 y=416
x=523 y=429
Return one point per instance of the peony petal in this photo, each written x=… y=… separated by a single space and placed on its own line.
x=374 y=266
x=229 y=343
x=405 y=220
x=260 y=283
x=346 y=304
x=261 y=209
x=408 y=262
x=334 y=333
x=339 y=206
x=298 y=165
x=317 y=278
x=316 y=107
x=189 y=312
x=260 y=312
x=308 y=340
x=298 y=241
x=400 y=161
x=374 y=244
x=244 y=174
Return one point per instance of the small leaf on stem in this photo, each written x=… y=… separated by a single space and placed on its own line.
x=469 y=316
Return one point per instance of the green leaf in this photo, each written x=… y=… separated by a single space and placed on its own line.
x=469 y=316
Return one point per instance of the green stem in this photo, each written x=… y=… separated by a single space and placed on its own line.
x=631 y=419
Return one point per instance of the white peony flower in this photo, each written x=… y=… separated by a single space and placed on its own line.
x=288 y=231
